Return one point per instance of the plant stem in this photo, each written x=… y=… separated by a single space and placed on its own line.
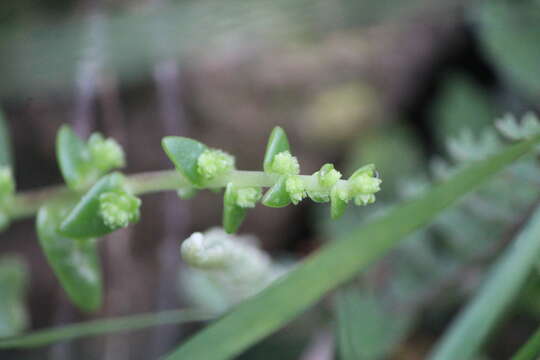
x=26 y=204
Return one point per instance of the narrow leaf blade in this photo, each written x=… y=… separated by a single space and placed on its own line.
x=184 y=153
x=5 y=143
x=470 y=329
x=74 y=261
x=334 y=264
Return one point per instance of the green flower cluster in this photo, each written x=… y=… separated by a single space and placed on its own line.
x=203 y=167
x=119 y=208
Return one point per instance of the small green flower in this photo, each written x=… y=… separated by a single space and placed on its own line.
x=364 y=184
x=248 y=197
x=7 y=184
x=105 y=154
x=296 y=188
x=118 y=209
x=213 y=163
x=364 y=199
x=285 y=164
x=328 y=176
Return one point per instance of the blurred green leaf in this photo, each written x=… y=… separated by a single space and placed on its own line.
x=277 y=196
x=104 y=326
x=85 y=220
x=473 y=324
x=74 y=261
x=184 y=153
x=461 y=104
x=5 y=143
x=509 y=32
x=336 y=263
x=365 y=331
x=277 y=142
x=73 y=158
x=13 y=282
x=531 y=349
x=233 y=215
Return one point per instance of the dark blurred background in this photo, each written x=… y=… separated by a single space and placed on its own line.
x=351 y=81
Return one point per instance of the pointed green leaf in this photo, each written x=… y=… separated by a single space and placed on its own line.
x=73 y=158
x=184 y=153
x=85 y=220
x=13 y=282
x=277 y=143
x=336 y=263
x=337 y=205
x=74 y=261
x=5 y=143
x=277 y=196
x=233 y=215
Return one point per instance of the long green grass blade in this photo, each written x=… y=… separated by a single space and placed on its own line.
x=5 y=142
x=105 y=326
x=531 y=349
x=467 y=333
x=334 y=264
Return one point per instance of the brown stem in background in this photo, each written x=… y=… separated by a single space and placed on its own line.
x=176 y=214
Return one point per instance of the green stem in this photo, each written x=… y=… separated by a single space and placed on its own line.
x=26 y=204
x=104 y=326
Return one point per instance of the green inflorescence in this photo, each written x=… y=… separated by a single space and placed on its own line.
x=248 y=197
x=213 y=163
x=105 y=154
x=119 y=208
x=296 y=188
x=285 y=164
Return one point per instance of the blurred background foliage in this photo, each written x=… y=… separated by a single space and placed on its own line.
x=353 y=82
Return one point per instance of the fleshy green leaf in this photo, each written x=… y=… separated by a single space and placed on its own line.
x=233 y=215
x=473 y=324
x=336 y=263
x=82 y=163
x=277 y=143
x=184 y=153
x=74 y=261
x=5 y=143
x=73 y=158
x=86 y=220
x=337 y=205
x=13 y=279
x=277 y=196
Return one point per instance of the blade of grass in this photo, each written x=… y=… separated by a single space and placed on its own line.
x=531 y=349
x=334 y=264
x=5 y=143
x=104 y=326
x=470 y=329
